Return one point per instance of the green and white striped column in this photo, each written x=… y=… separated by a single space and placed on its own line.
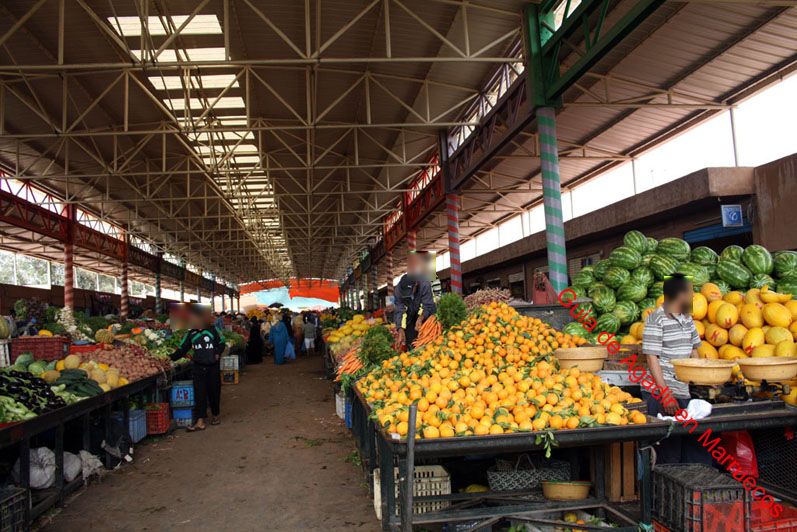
x=552 y=198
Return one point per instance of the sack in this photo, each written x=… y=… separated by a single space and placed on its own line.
x=290 y=352
x=73 y=466
x=42 y=468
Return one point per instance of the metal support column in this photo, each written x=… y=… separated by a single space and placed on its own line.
x=124 y=307
x=412 y=241
x=389 y=272
x=158 y=301
x=69 y=261
x=182 y=282
x=552 y=199
x=452 y=213
x=375 y=285
x=213 y=296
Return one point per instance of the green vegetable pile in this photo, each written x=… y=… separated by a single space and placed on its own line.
x=377 y=346
x=77 y=382
x=25 y=396
x=451 y=310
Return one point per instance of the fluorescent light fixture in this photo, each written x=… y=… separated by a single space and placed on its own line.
x=130 y=26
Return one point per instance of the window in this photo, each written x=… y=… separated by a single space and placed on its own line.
x=7 y=268
x=443 y=261
x=510 y=231
x=85 y=279
x=605 y=189
x=467 y=250
x=536 y=220
x=487 y=241
x=107 y=284
x=32 y=271
x=56 y=274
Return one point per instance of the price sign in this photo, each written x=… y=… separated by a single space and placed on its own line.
x=732 y=216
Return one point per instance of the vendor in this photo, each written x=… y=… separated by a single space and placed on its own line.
x=670 y=334
x=414 y=302
x=207 y=346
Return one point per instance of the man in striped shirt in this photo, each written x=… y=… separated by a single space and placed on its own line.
x=670 y=334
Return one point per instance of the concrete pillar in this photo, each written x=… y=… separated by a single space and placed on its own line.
x=389 y=268
x=124 y=308
x=69 y=261
x=182 y=282
x=158 y=302
x=375 y=286
x=412 y=241
x=552 y=198
x=452 y=213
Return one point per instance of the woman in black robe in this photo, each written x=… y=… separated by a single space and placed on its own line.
x=255 y=346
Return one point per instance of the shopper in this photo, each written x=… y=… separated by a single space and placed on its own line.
x=279 y=338
x=207 y=346
x=670 y=334
x=309 y=336
x=414 y=302
x=255 y=346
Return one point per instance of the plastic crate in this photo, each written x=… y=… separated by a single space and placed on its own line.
x=182 y=394
x=183 y=417
x=5 y=353
x=347 y=413
x=47 y=348
x=158 y=420
x=13 y=503
x=83 y=348
x=229 y=376
x=762 y=521
x=229 y=363
x=429 y=480
x=340 y=405
x=698 y=498
x=136 y=424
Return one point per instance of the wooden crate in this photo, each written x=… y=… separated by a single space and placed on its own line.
x=620 y=461
x=229 y=376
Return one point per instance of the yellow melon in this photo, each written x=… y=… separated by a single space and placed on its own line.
x=636 y=329
x=752 y=296
x=659 y=301
x=727 y=315
x=731 y=352
x=706 y=350
x=734 y=297
x=752 y=339
x=777 y=315
x=711 y=292
x=631 y=339
x=791 y=306
x=647 y=312
x=786 y=348
x=59 y=366
x=775 y=335
x=736 y=334
x=72 y=362
x=751 y=316
x=713 y=307
x=701 y=329
x=793 y=329
x=699 y=306
x=763 y=350
x=716 y=335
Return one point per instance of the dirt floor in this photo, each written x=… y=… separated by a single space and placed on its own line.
x=280 y=460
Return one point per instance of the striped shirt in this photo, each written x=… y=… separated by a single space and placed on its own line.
x=670 y=337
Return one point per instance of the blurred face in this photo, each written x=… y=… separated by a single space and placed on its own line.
x=414 y=264
x=684 y=300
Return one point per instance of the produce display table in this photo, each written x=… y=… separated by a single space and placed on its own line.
x=21 y=433
x=379 y=449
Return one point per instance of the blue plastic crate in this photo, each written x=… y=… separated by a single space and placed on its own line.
x=183 y=417
x=182 y=394
x=347 y=413
x=137 y=424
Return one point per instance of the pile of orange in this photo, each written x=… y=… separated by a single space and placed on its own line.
x=494 y=374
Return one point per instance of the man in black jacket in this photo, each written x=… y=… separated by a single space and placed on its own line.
x=207 y=346
x=414 y=301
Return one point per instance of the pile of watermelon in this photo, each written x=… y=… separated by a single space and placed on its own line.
x=630 y=279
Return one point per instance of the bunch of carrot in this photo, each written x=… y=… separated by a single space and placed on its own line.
x=349 y=363
x=430 y=329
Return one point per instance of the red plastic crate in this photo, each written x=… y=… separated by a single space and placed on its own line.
x=86 y=348
x=158 y=419
x=41 y=347
x=762 y=521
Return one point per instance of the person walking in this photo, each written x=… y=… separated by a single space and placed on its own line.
x=278 y=337
x=255 y=346
x=309 y=336
x=207 y=345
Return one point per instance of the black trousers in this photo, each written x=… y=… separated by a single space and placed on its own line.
x=676 y=449
x=410 y=334
x=207 y=389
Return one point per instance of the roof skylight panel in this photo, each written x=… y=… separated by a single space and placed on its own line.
x=130 y=26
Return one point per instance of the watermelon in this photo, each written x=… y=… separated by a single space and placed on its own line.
x=599 y=270
x=580 y=291
x=632 y=291
x=615 y=276
x=588 y=268
x=722 y=285
x=652 y=245
x=704 y=255
x=758 y=280
x=732 y=253
x=625 y=257
x=648 y=302
x=574 y=328
x=583 y=279
x=636 y=240
x=733 y=273
x=656 y=290
x=673 y=247
x=603 y=298
x=788 y=285
x=662 y=266
x=626 y=311
x=757 y=259
x=585 y=309
x=784 y=263
x=607 y=323
x=643 y=276
x=711 y=269
x=697 y=272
